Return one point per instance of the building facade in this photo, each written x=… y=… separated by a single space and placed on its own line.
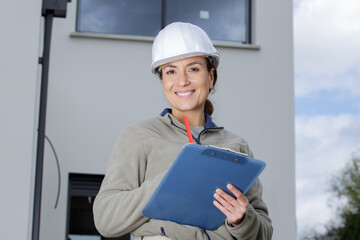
x=99 y=83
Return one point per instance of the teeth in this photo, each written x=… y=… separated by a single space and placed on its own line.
x=184 y=94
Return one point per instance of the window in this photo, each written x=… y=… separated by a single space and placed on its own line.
x=225 y=20
x=127 y=17
x=81 y=194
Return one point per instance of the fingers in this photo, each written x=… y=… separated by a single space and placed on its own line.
x=221 y=208
x=233 y=208
x=237 y=193
x=240 y=198
x=225 y=199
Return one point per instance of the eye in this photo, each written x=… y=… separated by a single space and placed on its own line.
x=170 y=72
x=194 y=69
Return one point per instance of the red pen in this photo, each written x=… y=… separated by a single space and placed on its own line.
x=191 y=140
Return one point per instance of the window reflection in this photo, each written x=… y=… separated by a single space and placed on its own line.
x=224 y=20
x=131 y=17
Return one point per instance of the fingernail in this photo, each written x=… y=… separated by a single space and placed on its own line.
x=215 y=195
x=218 y=190
x=229 y=186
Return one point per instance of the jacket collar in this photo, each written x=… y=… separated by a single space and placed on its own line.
x=208 y=120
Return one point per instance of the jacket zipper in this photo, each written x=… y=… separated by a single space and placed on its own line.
x=197 y=140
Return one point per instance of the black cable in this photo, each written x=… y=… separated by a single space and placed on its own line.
x=58 y=168
x=206 y=234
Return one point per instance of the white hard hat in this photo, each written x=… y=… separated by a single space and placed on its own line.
x=181 y=40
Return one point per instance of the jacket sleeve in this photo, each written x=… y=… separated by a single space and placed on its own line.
x=124 y=193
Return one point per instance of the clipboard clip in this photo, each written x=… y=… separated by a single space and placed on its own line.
x=227 y=149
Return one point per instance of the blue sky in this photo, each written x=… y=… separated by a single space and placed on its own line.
x=327 y=101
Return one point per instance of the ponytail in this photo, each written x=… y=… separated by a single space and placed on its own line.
x=209 y=108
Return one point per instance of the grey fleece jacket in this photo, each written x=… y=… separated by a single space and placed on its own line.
x=139 y=161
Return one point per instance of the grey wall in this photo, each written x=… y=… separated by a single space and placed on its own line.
x=97 y=87
x=19 y=45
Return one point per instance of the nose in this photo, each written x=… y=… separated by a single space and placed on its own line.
x=183 y=79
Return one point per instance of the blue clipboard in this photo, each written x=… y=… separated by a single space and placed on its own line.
x=185 y=194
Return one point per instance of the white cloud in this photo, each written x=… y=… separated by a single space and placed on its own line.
x=305 y=83
x=324 y=144
x=327 y=44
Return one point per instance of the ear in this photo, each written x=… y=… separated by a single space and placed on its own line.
x=211 y=79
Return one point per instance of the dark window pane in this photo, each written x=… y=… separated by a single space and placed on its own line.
x=81 y=218
x=131 y=17
x=224 y=20
x=81 y=194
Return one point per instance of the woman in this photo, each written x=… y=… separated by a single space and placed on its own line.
x=186 y=61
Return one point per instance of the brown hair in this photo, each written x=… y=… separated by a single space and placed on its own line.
x=209 y=108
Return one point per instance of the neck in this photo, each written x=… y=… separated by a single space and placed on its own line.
x=196 y=119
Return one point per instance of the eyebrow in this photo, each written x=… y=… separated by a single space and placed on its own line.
x=187 y=65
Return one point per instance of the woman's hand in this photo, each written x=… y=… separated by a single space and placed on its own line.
x=234 y=209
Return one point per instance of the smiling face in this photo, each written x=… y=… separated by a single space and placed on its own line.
x=186 y=84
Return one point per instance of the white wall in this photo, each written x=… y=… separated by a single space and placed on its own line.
x=19 y=47
x=97 y=87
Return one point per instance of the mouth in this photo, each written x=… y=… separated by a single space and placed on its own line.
x=184 y=94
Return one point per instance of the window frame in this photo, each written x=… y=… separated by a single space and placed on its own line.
x=248 y=44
